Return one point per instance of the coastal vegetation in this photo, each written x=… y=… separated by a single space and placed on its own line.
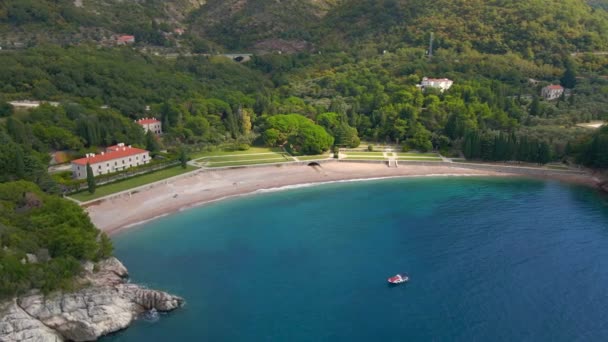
x=335 y=74
x=44 y=239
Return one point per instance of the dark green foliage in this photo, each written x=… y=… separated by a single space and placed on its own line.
x=535 y=108
x=19 y=162
x=301 y=134
x=58 y=232
x=5 y=109
x=592 y=150
x=336 y=125
x=493 y=146
x=152 y=144
x=90 y=179
x=183 y=157
x=568 y=80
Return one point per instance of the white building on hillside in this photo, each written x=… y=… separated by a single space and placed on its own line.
x=150 y=124
x=552 y=92
x=115 y=158
x=442 y=84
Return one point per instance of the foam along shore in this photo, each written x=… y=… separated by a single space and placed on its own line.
x=129 y=209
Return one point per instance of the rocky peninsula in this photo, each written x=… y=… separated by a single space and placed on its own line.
x=106 y=303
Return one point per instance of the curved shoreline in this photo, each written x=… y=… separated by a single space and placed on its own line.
x=202 y=187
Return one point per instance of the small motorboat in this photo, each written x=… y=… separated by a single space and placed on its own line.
x=398 y=279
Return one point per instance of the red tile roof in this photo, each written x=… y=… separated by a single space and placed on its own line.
x=118 y=152
x=147 y=121
x=126 y=38
x=555 y=87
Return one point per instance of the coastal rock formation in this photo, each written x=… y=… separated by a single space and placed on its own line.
x=106 y=305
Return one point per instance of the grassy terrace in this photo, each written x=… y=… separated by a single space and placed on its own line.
x=431 y=159
x=415 y=154
x=359 y=157
x=364 y=153
x=315 y=157
x=251 y=150
x=132 y=182
x=244 y=159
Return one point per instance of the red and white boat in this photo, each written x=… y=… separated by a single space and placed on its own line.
x=398 y=279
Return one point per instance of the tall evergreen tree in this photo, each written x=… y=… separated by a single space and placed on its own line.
x=534 y=108
x=568 y=80
x=19 y=163
x=152 y=144
x=90 y=179
x=183 y=157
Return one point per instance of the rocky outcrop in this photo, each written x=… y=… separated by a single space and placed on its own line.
x=108 y=304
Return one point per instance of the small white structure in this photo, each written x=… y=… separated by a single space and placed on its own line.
x=115 y=158
x=442 y=84
x=552 y=92
x=150 y=124
x=31 y=104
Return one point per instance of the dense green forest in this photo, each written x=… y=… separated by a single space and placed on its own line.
x=327 y=74
x=44 y=239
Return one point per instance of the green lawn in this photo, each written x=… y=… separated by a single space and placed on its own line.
x=359 y=157
x=316 y=157
x=130 y=183
x=365 y=154
x=420 y=158
x=251 y=150
x=415 y=154
x=244 y=163
x=244 y=157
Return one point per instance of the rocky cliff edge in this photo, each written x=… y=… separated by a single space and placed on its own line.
x=106 y=304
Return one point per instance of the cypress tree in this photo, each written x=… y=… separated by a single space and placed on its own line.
x=183 y=158
x=90 y=179
x=544 y=153
x=19 y=164
x=535 y=109
x=151 y=142
x=568 y=80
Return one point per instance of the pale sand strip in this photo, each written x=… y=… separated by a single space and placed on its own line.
x=112 y=215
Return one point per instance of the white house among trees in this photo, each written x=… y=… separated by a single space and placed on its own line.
x=115 y=158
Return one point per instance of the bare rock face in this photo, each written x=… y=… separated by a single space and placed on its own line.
x=18 y=325
x=109 y=304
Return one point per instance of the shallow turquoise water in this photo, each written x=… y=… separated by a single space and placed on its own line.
x=489 y=260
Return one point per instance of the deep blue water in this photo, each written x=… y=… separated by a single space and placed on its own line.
x=489 y=260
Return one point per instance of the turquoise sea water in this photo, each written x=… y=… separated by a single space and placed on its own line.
x=489 y=260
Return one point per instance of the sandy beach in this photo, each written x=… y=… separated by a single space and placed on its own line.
x=114 y=214
x=203 y=186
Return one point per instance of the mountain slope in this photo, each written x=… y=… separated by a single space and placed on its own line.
x=239 y=24
x=493 y=26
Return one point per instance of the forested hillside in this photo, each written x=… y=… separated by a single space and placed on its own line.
x=324 y=74
x=44 y=239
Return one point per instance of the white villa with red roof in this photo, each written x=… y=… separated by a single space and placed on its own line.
x=150 y=124
x=115 y=158
x=442 y=84
x=552 y=92
x=125 y=39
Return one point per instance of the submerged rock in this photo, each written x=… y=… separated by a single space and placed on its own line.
x=109 y=304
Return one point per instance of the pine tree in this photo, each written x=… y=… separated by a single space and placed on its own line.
x=90 y=179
